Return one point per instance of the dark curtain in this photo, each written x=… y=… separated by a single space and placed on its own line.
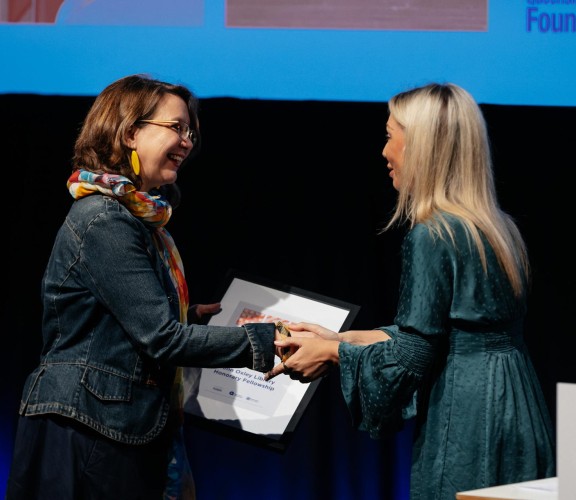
x=293 y=192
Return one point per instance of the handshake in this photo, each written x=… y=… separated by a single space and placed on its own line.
x=311 y=349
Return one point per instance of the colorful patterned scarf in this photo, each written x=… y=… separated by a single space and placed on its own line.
x=154 y=211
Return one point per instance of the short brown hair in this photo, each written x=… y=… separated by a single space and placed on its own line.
x=101 y=145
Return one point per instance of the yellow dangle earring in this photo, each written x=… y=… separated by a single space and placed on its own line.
x=135 y=162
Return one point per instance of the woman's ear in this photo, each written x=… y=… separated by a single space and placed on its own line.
x=130 y=136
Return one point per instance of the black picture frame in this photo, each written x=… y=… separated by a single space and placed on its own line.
x=219 y=400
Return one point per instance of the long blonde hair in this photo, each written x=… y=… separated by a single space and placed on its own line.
x=448 y=169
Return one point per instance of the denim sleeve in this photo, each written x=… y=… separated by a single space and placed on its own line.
x=119 y=265
x=261 y=335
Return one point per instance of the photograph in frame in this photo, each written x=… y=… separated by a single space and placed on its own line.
x=238 y=402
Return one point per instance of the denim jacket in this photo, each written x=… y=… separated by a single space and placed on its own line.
x=111 y=333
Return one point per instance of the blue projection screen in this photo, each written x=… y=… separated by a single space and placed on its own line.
x=513 y=52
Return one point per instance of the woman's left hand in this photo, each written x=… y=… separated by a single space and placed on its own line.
x=196 y=311
x=202 y=309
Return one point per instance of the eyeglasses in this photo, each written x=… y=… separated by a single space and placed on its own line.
x=181 y=128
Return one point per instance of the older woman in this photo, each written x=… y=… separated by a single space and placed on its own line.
x=100 y=415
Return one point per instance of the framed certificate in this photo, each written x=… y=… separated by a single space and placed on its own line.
x=238 y=401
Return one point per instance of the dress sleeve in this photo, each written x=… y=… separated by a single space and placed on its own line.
x=379 y=381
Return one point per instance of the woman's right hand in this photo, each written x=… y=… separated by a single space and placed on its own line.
x=311 y=358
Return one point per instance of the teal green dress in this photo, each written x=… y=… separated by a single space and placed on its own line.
x=456 y=362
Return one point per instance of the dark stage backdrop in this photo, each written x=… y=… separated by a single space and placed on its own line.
x=294 y=192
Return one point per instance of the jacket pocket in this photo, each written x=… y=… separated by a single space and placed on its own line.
x=107 y=386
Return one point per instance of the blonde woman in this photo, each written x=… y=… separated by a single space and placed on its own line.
x=455 y=359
